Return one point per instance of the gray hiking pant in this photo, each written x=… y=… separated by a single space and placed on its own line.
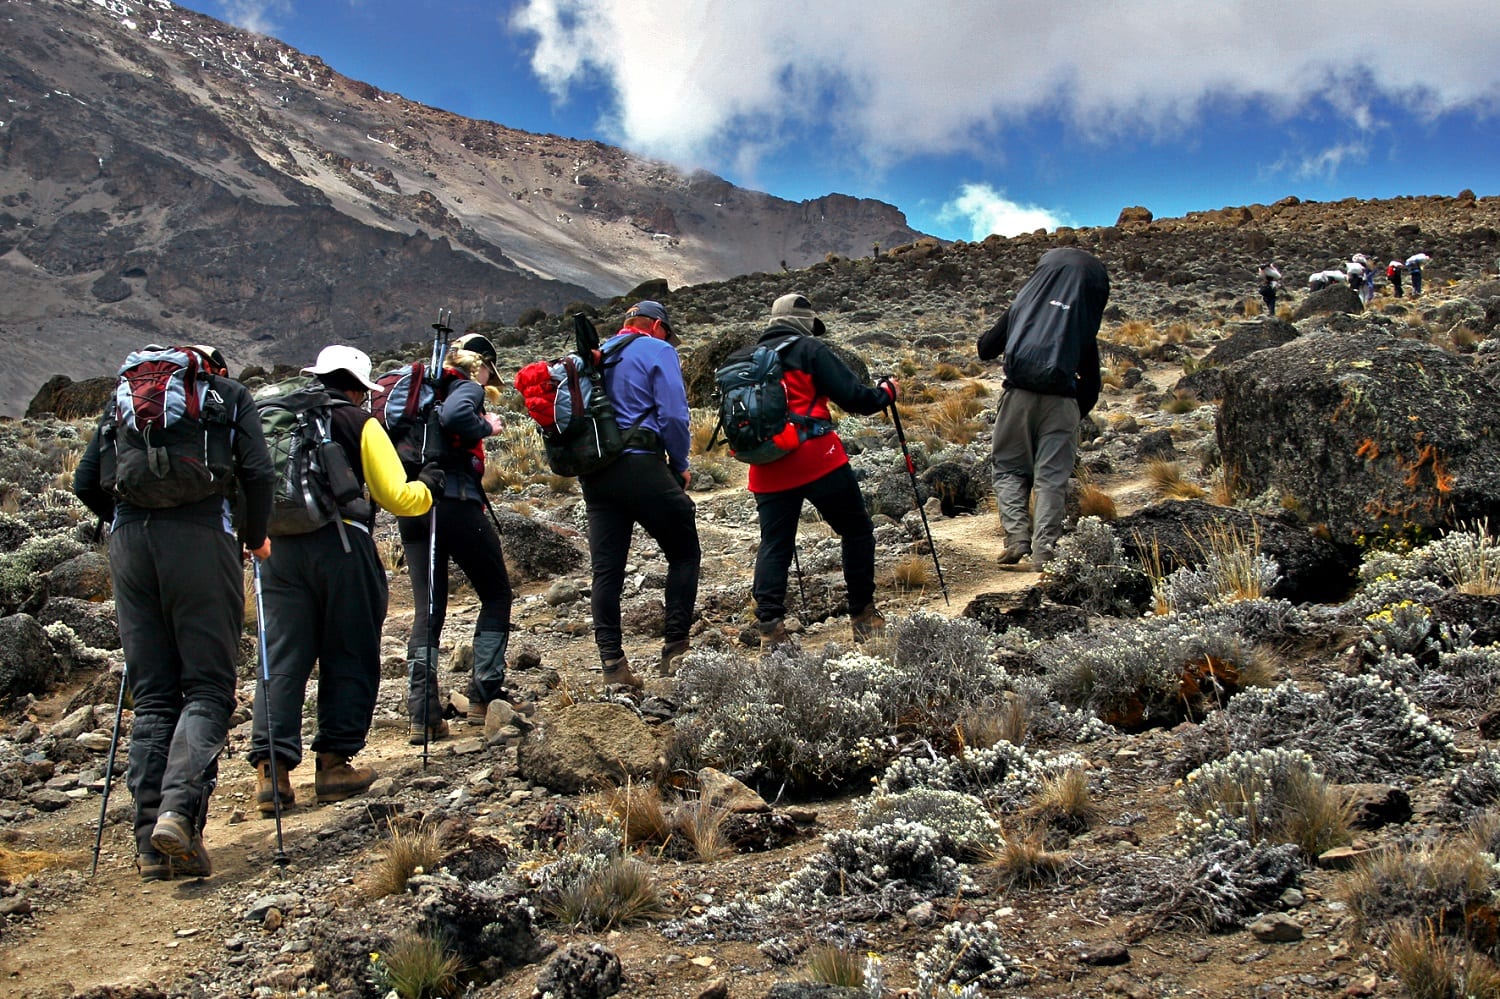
x=1036 y=440
x=180 y=599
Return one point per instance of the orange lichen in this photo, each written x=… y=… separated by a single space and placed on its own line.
x=1368 y=449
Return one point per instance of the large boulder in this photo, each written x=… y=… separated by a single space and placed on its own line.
x=27 y=665
x=85 y=577
x=1334 y=298
x=69 y=400
x=1240 y=341
x=1176 y=535
x=535 y=549
x=588 y=746
x=93 y=623
x=1366 y=433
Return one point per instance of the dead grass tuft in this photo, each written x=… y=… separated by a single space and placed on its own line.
x=1023 y=859
x=1181 y=402
x=408 y=852
x=702 y=826
x=621 y=893
x=981 y=726
x=418 y=966
x=1064 y=802
x=831 y=964
x=1170 y=481
x=17 y=864
x=1095 y=502
x=638 y=810
x=912 y=573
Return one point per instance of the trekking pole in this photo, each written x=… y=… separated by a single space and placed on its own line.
x=109 y=771
x=265 y=688
x=911 y=471
x=440 y=333
x=801 y=591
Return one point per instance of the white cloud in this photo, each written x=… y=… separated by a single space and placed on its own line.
x=256 y=15
x=882 y=79
x=987 y=211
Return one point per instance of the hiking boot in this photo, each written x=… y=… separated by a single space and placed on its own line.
x=434 y=733
x=173 y=836
x=153 y=866
x=618 y=671
x=337 y=780
x=867 y=624
x=475 y=715
x=671 y=656
x=265 y=796
x=772 y=634
x=1013 y=555
x=1024 y=564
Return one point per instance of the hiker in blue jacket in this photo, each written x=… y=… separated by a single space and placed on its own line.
x=1048 y=339
x=646 y=485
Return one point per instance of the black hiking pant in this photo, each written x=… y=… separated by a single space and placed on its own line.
x=179 y=592
x=327 y=606
x=837 y=498
x=1268 y=295
x=464 y=534
x=639 y=489
x=1396 y=283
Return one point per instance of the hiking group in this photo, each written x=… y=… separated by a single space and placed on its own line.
x=1360 y=271
x=185 y=460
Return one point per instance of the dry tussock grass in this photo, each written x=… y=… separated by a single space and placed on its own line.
x=1095 y=502
x=1064 y=802
x=1023 y=859
x=408 y=852
x=831 y=964
x=702 y=826
x=639 y=812
x=980 y=726
x=17 y=864
x=1170 y=481
x=912 y=573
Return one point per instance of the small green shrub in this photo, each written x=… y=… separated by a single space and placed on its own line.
x=415 y=966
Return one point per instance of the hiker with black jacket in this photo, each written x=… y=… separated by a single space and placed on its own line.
x=645 y=485
x=1048 y=338
x=815 y=470
x=179 y=590
x=465 y=534
x=326 y=604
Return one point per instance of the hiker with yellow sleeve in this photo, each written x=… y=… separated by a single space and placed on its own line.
x=325 y=602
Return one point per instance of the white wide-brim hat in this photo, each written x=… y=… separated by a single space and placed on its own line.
x=340 y=358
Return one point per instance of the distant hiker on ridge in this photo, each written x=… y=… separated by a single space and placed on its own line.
x=179 y=585
x=1414 y=265
x=1048 y=338
x=1270 y=280
x=326 y=604
x=1393 y=272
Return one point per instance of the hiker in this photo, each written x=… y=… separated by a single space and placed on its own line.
x=1414 y=271
x=1322 y=279
x=1361 y=280
x=817 y=471
x=645 y=485
x=468 y=380
x=1393 y=272
x=1270 y=280
x=1048 y=338
x=179 y=586
x=326 y=604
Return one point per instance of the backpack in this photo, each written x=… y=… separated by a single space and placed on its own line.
x=404 y=402
x=566 y=399
x=753 y=414
x=167 y=435
x=315 y=483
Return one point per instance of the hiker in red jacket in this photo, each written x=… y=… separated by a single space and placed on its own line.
x=817 y=471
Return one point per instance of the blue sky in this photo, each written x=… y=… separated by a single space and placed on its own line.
x=971 y=116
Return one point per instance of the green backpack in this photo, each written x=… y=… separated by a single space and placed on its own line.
x=315 y=483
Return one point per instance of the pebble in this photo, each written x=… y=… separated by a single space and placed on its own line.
x=1104 y=954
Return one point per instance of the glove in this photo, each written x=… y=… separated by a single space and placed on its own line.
x=433 y=478
x=891 y=388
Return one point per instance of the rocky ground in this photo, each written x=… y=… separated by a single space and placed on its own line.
x=1038 y=901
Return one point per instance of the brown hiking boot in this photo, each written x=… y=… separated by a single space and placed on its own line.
x=772 y=634
x=174 y=838
x=867 y=624
x=671 y=656
x=475 y=714
x=618 y=671
x=1013 y=555
x=153 y=866
x=434 y=734
x=265 y=797
x=337 y=780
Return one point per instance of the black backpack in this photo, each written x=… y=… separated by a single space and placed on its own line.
x=315 y=483
x=167 y=433
x=405 y=402
x=566 y=399
x=753 y=412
